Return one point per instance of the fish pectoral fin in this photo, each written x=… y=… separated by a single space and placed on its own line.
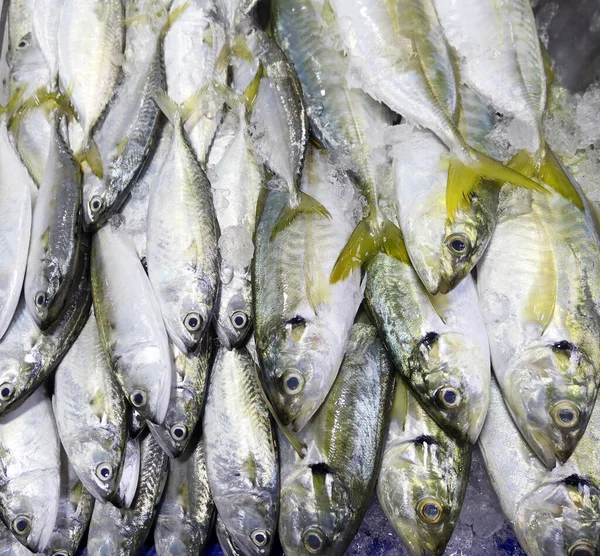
x=393 y=242
x=464 y=178
x=90 y=158
x=307 y=205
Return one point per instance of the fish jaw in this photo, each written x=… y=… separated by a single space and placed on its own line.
x=234 y=313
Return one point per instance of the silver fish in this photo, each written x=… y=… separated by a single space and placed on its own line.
x=130 y=474
x=46 y=22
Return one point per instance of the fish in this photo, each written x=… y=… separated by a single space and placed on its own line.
x=89 y=408
x=46 y=23
x=552 y=513
x=542 y=317
x=186 y=512
x=423 y=477
x=188 y=394
x=241 y=455
x=399 y=56
x=130 y=474
x=131 y=325
x=197 y=40
x=9 y=545
x=501 y=59
x=122 y=532
x=89 y=62
x=128 y=130
x=232 y=12
x=182 y=252
x=74 y=513
x=29 y=356
x=325 y=495
x=226 y=543
x=438 y=344
x=345 y=121
x=302 y=322
x=236 y=179
x=278 y=122
x=30 y=478
x=16 y=188
x=55 y=234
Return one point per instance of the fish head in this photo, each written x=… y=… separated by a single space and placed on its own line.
x=550 y=392
x=95 y=201
x=172 y=537
x=560 y=517
x=45 y=293
x=465 y=239
x=316 y=512
x=28 y=64
x=14 y=377
x=175 y=432
x=420 y=488
x=300 y=364
x=227 y=544
x=234 y=314
x=452 y=378
x=31 y=515
x=251 y=522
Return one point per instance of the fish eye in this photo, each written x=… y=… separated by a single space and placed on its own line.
x=448 y=397
x=6 y=391
x=21 y=525
x=40 y=299
x=259 y=537
x=582 y=548
x=24 y=43
x=565 y=414
x=138 y=398
x=293 y=381
x=458 y=244
x=104 y=471
x=430 y=510
x=96 y=203
x=239 y=319
x=314 y=540
x=178 y=431
x=192 y=322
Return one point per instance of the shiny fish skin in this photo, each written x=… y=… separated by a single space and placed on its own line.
x=15 y=225
x=30 y=471
x=186 y=512
x=90 y=413
x=225 y=541
x=421 y=464
x=188 y=394
x=542 y=318
x=241 y=455
x=130 y=474
x=130 y=324
x=302 y=321
x=325 y=495
x=236 y=179
x=46 y=22
x=183 y=259
x=115 y=532
x=74 y=513
x=439 y=350
x=88 y=62
x=28 y=356
x=55 y=234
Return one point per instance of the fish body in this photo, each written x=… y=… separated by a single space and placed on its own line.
x=438 y=345
x=15 y=221
x=324 y=496
x=131 y=325
x=423 y=476
x=302 y=321
x=542 y=318
x=30 y=478
x=90 y=414
x=123 y=532
x=55 y=235
x=182 y=252
x=241 y=456
x=236 y=179
x=46 y=23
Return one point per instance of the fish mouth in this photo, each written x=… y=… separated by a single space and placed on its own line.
x=164 y=440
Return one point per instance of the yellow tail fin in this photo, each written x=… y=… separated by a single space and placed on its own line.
x=365 y=242
x=307 y=205
x=465 y=178
x=90 y=157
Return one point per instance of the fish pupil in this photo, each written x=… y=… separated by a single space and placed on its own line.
x=292 y=383
x=313 y=541
x=431 y=511
x=21 y=525
x=40 y=300
x=5 y=392
x=105 y=472
x=260 y=538
x=566 y=415
x=239 y=320
x=450 y=397
x=178 y=433
x=458 y=245
x=193 y=322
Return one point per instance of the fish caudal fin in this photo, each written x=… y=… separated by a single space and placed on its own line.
x=464 y=178
x=546 y=167
x=90 y=158
x=307 y=205
x=365 y=242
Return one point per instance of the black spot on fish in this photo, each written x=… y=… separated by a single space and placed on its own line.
x=429 y=339
x=425 y=439
x=563 y=345
x=296 y=321
x=321 y=469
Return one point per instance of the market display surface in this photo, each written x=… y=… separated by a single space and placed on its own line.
x=299 y=276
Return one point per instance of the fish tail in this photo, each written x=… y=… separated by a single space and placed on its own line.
x=174 y=15
x=368 y=239
x=179 y=113
x=306 y=205
x=545 y=166
x=89 y=157
x=42 y=98
x=464 y=178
